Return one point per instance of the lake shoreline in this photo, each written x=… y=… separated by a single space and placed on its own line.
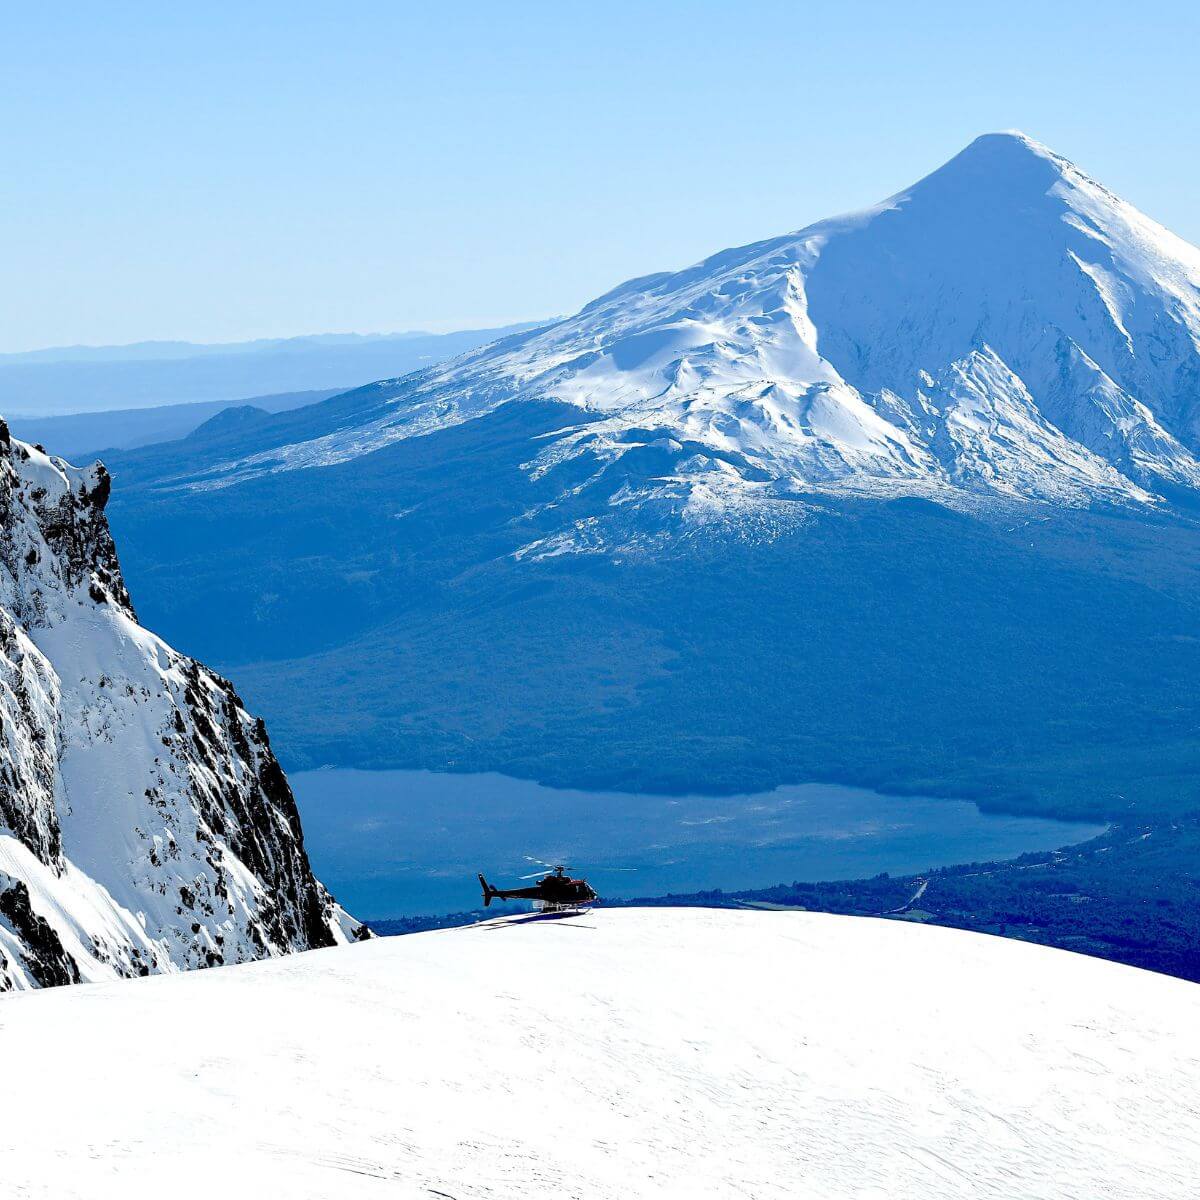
x=409 y=843
x=991 y=799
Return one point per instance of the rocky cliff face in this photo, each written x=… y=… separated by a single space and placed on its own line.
x=145 y=825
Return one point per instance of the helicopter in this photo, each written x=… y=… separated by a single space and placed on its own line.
x=553 y=892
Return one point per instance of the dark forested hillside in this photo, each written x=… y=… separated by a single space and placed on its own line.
x=1031 y=658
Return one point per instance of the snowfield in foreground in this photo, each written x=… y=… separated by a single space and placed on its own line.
x=617 y=1054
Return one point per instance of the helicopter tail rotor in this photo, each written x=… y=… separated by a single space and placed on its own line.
x=488 y=891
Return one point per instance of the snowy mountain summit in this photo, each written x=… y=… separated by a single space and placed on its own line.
x=1005 y=328
x=145 y=825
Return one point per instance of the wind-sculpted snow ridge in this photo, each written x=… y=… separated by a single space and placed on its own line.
x=626 y=1054
x=1006 y=328
x=145 y=825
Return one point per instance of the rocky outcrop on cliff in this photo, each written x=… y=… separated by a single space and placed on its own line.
x=145 y=824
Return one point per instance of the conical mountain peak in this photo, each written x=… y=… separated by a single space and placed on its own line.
x=998 y=166
x=812 y=360
x=1009 y=142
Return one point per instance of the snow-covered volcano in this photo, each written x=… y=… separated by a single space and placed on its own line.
x=1004 y=328
x=145 y=825
x=652 y=1053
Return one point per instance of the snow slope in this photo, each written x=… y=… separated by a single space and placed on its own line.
x=626 y=1053
x=1005 y=328
x=145 y=824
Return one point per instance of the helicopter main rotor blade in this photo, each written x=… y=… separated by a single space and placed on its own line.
x=565 y=867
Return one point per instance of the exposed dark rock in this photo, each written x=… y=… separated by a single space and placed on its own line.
x=215 y=845
x=45 y=959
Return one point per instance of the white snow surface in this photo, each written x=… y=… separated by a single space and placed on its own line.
x=617 y=1054
x=145 y=825
x=1005 y=328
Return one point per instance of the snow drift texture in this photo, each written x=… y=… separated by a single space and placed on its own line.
x=145 y=825
x=1004 y=328
x=665 y=1054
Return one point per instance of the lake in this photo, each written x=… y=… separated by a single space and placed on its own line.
x=404 y=843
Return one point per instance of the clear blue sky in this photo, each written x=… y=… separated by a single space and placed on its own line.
x=226 y=171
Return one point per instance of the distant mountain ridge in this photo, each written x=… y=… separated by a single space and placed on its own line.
x=158 y=351
x=77 y=379
x=82 y=436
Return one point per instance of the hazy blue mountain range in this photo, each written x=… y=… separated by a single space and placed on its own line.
x=82 y=434
x=902 y=499
x=76 y=379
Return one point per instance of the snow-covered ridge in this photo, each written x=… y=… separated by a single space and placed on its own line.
x=1005 y=328
x=625 y=1054
x=145 y=825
